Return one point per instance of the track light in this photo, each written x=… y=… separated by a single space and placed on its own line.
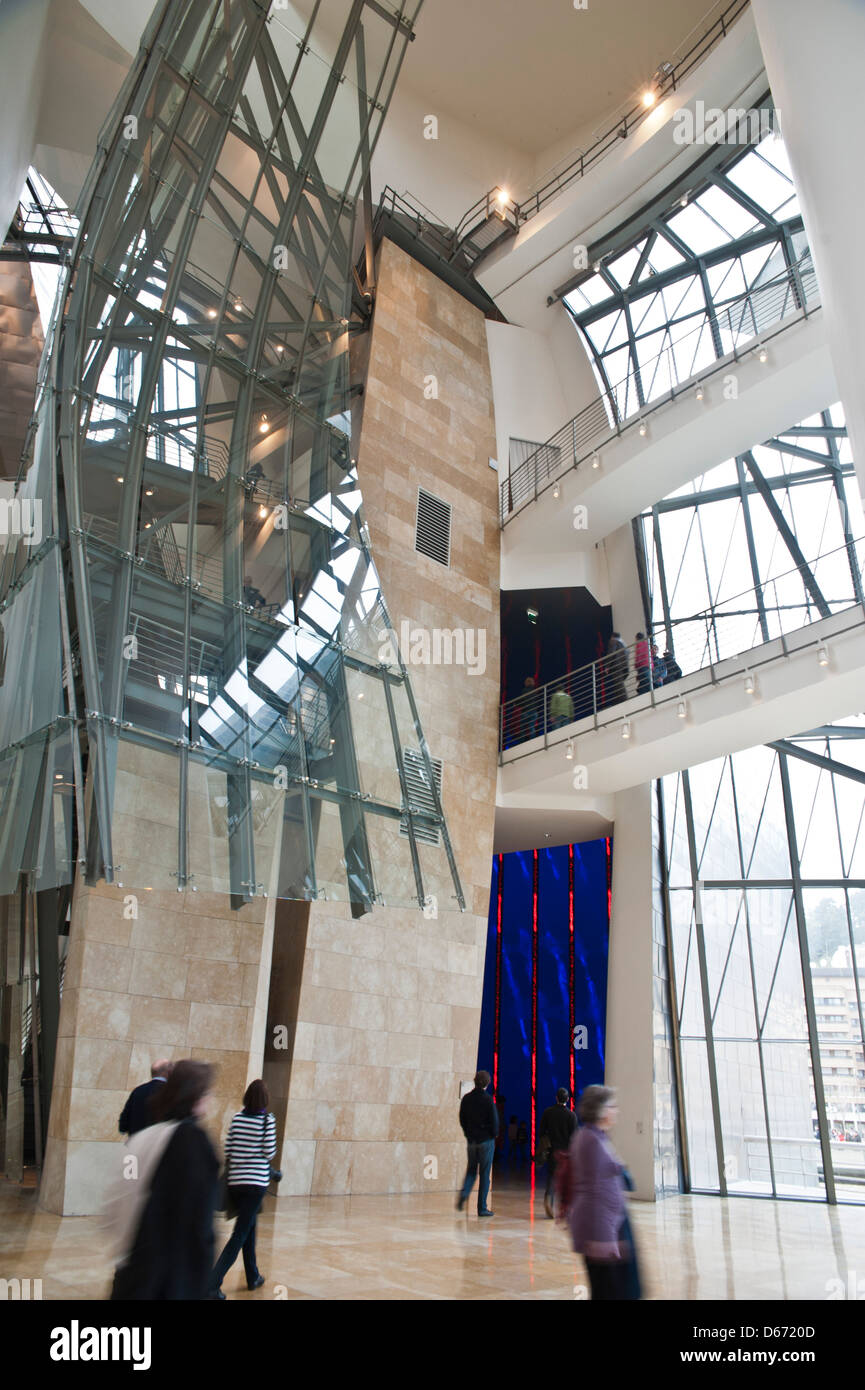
x=556 y=491
x=264 y=425
x=570 y=753
x=262 y=512
x=699 y=393
x=823 y=656
x=626 y=729
x=762 y=354
x=750 y=684
x=596 y=460
x=683 y=201
x=644 y=429
x=280 y=349
x=238 y=306
x=211 y=313
x=649 y=98
x=682 y=709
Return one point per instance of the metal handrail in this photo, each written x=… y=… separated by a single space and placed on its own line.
x=624 y=124
x=743 y=320
x=730 y=628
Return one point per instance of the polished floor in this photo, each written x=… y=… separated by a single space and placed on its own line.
x=417 y=1247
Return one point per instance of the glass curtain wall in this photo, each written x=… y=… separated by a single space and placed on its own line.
x=765 y=861
x=212 y=631
x=695 y=280
x=758 y=546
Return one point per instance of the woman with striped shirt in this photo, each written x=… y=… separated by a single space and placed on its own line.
x=250 y=1146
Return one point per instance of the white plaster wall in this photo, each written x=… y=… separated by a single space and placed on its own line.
x=22 y=32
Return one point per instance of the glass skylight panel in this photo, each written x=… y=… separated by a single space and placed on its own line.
x=623 y=267
x=698 y=231
x=735 y=219
x=664 y=255
x=761 y=181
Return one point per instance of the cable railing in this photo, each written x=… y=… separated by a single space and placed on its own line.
x=744 y=324
x=732 y=627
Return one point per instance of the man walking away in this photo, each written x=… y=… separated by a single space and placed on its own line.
x=479 y=1121
x=137 y=1114
x=558 y=1123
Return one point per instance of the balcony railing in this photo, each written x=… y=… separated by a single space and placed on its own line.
x=745 y=324
x=735 y=626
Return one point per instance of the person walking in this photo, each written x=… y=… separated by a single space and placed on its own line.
x=558 y=1123
x=674 y=670
x=137 y=1113
x=598 y=1216
x=162 y=1222
x=479 y=1121
x=561 y=708
x=250 y=1146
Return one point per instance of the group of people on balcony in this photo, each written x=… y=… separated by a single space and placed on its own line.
x=583 y=693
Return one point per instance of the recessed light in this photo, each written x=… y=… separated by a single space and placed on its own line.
x=211 y=313
x=649 y=98
x=644 y=429
x=823 y=656
x=626 y=729
x=682 y=709
x=596 y=460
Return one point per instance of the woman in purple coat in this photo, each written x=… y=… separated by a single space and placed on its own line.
x=598 y=1213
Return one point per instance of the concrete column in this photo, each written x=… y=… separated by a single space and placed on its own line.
x=630 y=1022
x=813 y=60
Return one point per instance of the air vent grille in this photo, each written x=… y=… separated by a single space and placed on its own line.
x=433 y=532
x=421 y=796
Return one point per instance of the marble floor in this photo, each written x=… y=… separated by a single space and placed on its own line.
x=418 y=1247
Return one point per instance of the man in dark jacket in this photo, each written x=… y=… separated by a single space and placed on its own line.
x=558 y=1123
x=136 y=1113
x=479 y=1121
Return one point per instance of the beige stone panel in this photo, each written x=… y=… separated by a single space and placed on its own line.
x=219 y=1025
x=216 y=982
x=369 y=1012
x=217 y=905
x=371 y=1122
x=302 y=1080
x=104 y=967
x=437 y=1054
x=369 y=1049
x=443 y=988
x=418 y=1016
x=250 y=942
x=370 y=1084
x=372 y=1167
x=424 y=1123
x=297 y=1158
x=334 y=1121
x=158 y=976
x=232 y=1071
x=329 y=1006
x=404 y=1050
x=93 y=1115
x=106 y=923
x=304 y=1041
x=208 y=938
x=333 y=1163
x=158 y=930
x=101 y=1063
x=463 y=959
x=58 y=1115
x=465 y=1023
x=332 y=1044
x=95 y=1013
x=161 y=1021
x=423 y=1088
x=347 y=937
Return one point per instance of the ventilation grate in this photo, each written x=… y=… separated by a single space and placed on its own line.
x=433 y=531
x=421 y=796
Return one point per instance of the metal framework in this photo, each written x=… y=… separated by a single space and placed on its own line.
x=750 y=522
x=667 y=298
x=764 y=944
x=204 y=573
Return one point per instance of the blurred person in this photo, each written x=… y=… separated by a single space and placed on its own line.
x=659 y=667
x=528 y=717
x=598 y=1216
x=249 y=1148
x=479 y=1121
x=558 y=1123
x=561 y=708
x=161 y=1208
x=617 y=669
x=641 y=663
x=137 y=1112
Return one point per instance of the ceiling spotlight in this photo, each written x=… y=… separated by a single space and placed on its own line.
x=147 y=525
x=265 y=424
x=556 y=490
x=750 y=683
x=699 y=393
x=682 y=709
x=626 y=729
x=211 y=313
x=118 y=480
x=58 y=777
x=823 y=656
x=360 y=694
x=262 y=512
x=149 y=491
x=763 y=355
x=683 y=201
x=238 y=305
x=280 y=348
x=596 y=265
x=649 y=97
x=570 y=753
x=596 y=460
x=502 y=197
x=644 y=429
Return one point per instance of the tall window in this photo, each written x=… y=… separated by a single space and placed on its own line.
x=700 y=278
x=765 y=866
